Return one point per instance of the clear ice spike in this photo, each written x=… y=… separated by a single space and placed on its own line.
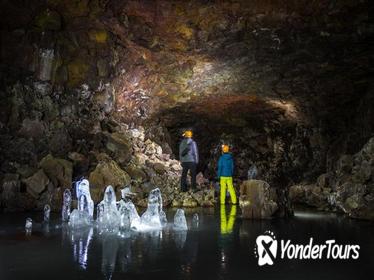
x=195 y=220
x=83 y=187
x=180 y=222
x=65 y=213
x=47 y=212
x=28 y=225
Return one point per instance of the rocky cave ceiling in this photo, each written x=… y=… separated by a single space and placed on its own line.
x=233 y=70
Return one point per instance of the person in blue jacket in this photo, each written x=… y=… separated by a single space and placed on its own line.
x=225 y=173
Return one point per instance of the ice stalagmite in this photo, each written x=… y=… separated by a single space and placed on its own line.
x=83 y=187
x=129 y=215
x=154 y=217
x=28 y=226
x=66 y=206
x=180 y=222
x=80 y=217
x=195 y=220
x=47 y=211
x=109 y=219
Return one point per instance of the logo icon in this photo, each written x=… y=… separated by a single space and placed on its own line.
x=266 y=248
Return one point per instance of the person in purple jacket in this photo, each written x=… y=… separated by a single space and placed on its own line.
x=189 y=157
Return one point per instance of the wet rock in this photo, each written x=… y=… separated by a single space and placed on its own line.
x=345 y=164
x=152 y=149
x=36 y=184
x=311 y=195
x=48 y=20
x=136 y=173
x=257 y=200
x=107 y=173
x=362 y=172
x=159 y=168
x=200 y=180
x=58 y=170
x=32 y=128
x=297 y=193
x=350 y=188
x=26 y=171
x=10 y=192
x=119 y=147
x=98 y=36
x=77 y=72
x=60 y=142
x=324 y=180
x=26 y=201
x=102 y=68
x=177 y=203
x=189 y=202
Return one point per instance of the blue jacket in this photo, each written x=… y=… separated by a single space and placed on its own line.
x=226 y=165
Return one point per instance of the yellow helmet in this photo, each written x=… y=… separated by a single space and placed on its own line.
x=187 y=133
x=225 y=148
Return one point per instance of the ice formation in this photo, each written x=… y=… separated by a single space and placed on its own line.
x=180 y=222
x=252 y=172
x=28 y=225
x=81 y=240
x=81 y=217
x=154 y=217
x=66 y=206
x=195 y=220
x=108 y=217
x=120 y=217
x=83 y=187
x=109 y=255
x=47 y=212
x=129 y=217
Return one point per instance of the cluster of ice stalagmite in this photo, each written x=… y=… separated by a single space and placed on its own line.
x=116 y=216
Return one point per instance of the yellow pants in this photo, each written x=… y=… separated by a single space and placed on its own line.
x=227 y=225
x=226 y=184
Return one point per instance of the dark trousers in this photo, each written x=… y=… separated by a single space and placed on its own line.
x=192 y=167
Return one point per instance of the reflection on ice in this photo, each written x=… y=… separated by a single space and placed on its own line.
x=195 y=220
x=118 y=223
x=81 y=239
x=180 y=237
x=109 y=256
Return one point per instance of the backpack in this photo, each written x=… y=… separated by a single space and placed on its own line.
x=186 y=150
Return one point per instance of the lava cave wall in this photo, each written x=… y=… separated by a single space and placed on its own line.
x=285 y=82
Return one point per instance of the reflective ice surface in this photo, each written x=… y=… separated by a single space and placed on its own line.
x=221 y=248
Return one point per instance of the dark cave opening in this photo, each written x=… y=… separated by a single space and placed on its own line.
x=255 y=129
